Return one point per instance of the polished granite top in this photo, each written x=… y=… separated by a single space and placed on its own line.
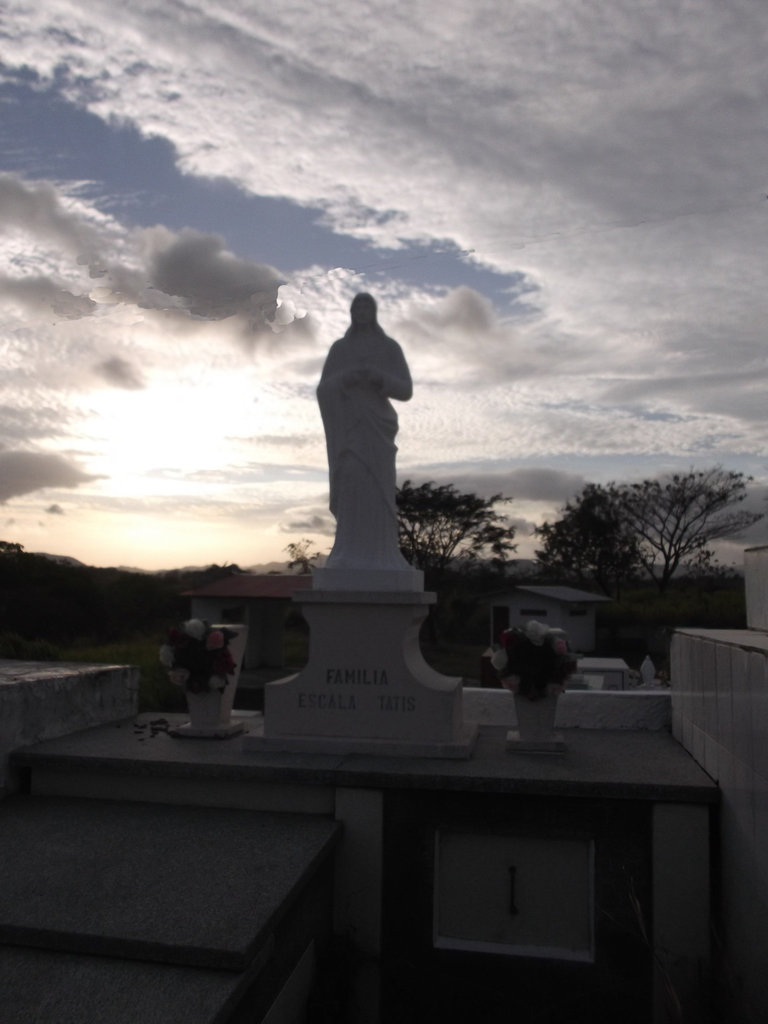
x=612 y=763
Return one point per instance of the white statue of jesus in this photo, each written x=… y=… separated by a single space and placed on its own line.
x=363 y=370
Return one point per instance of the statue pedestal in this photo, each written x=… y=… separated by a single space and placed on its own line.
x=366 y=687
x=369 y=579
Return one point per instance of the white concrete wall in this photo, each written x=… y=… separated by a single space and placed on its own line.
x=756 y=584
x=576 y=709
x=720 y=715
x=42 y=700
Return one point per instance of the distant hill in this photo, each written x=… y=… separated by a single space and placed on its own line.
x=267 y=567
x=60 y=559
x=264 y=568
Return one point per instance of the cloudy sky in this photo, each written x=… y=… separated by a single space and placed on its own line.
x=560 y=208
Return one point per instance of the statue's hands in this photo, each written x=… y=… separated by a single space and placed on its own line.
x=363 y=377
x=374 y=379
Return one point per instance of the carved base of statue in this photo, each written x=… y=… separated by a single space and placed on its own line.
x=369 y=579
x=366 y=687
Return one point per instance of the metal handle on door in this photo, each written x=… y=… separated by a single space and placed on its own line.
x=512 y=879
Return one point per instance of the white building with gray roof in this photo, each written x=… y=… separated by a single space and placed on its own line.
x=565 y=608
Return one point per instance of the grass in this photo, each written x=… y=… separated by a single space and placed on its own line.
x=454 y=659
x=15 y=647
x=706 y=607
x=156 y=692
x=642 y=612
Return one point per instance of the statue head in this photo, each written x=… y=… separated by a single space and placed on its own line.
x=363 y=310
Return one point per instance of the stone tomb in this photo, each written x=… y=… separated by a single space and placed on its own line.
x=366 y=687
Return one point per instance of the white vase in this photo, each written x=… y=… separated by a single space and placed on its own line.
x=210 y=713
x=536 y=724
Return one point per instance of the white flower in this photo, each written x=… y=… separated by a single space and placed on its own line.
x=195 y=628
x=536 y=632
x=499 y=659
x=166 y=656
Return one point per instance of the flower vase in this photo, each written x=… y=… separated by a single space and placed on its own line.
x=210 y=712
x=535 y=731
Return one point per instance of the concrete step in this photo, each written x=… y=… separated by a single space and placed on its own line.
x=63 y=988
x=186 y=885
x=139 y=759
x=149 y=902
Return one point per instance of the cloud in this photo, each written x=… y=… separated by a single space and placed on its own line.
x=408 y=132
x=608 y=162
x=24 y=472
x=55 y=510
x=24 y=419
x=724 y=392
x=120 y=373
x=57 y=323
x=37 y=209
x=211 y=282
x=522 y=484
x=189 y=272
x=544 y=484
x=456 y=337
x=310 y=524
x=46 y=297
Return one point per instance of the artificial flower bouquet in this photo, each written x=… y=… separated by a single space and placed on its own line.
x=534 y=660
x=197 y=656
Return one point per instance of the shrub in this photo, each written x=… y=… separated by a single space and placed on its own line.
x=14 y=646
x=156 y=691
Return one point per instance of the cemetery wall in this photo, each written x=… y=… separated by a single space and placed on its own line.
x=720 y=715
x=756 y=583
x=42 y=700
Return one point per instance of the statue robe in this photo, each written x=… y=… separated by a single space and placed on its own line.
x=360 y=428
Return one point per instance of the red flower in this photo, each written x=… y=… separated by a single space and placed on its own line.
x=223 y=663
x=214 y=640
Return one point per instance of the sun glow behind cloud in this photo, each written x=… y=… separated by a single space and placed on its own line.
x=565 y=211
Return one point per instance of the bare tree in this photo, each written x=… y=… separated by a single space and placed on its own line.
x=675 y=518
x=300 y=556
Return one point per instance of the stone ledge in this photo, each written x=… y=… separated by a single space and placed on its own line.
x=748 y=639
x=51 y=987
x=461 y=747
x=43 y=700
x=578 y=709
x=122 y=760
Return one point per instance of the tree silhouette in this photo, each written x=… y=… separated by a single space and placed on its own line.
x=675 y=517
x=592 y=542
x=300 y=556
x=439 y=528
